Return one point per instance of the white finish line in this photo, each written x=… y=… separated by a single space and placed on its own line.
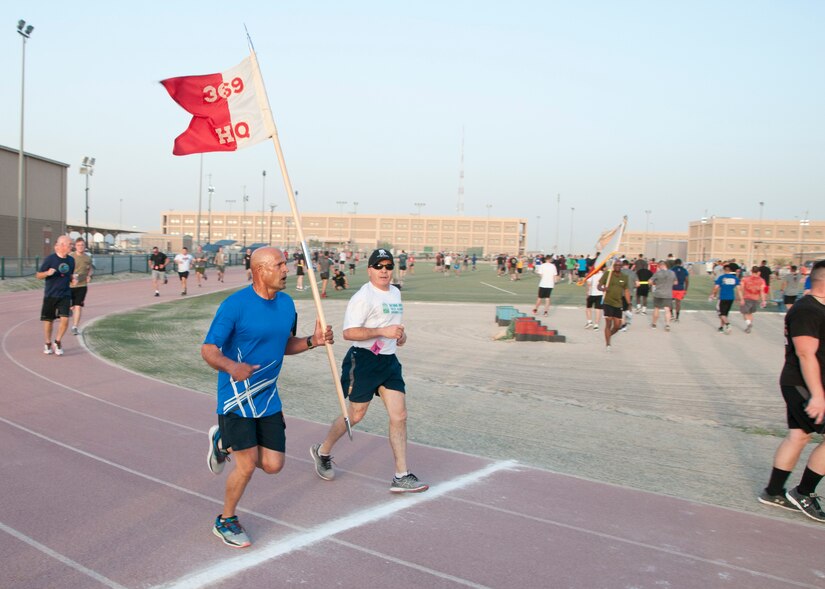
x=501 y=289
x=257 y=555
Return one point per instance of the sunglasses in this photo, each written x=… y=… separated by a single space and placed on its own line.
x=383 y=266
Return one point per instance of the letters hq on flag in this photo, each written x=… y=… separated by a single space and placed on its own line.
x=226 y=109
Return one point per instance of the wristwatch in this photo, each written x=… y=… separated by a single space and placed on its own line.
x=310 y=345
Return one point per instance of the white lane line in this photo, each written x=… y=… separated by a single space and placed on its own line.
x=231 y=566
x=652 y=547
x=431 y=494
x=59 y=557
x=81 y=393
x=501 y=289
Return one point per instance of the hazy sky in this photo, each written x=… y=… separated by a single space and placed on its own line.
x=618 y=106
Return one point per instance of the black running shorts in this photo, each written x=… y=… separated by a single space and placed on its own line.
x=242 y=433
x=796 y=397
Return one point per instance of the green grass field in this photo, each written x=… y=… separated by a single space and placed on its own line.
x=173 y=331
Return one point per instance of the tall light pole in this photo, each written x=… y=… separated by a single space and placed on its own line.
x=211 y=191
x=263 y=200
x=200 y=202
x=538 y=221
x=229 y=201
x=572 y=212
x=761 y=206
x=488 y=211
x=803 y=223
x=341 y=204
x=245 y=199
x=87 y=168
x=647 y=229
x=704 y=224
x=25 y=32
x=271 y=214
x=419 y=206
x=558 y=217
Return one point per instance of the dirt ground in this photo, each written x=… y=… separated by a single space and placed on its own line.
x=691 y=413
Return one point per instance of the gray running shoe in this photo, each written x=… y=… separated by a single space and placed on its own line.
x=776 y=500
x=667 y=327
x=231 y=532
x=409 y=483
x=323 y=464
x=749 y=328
x=807 y=504
x=74 y=330
x=216 y=458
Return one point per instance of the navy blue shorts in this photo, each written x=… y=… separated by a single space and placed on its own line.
x=363 y=372
x=241 y=433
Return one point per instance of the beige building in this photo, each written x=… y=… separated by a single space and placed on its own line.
x=751 y=241
x=44 y=203
x=656 y=244
x=413 y=233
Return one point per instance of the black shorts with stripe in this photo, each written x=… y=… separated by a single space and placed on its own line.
x=363 y=373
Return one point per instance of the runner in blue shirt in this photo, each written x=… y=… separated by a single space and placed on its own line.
x=680 y=288
x=251 y=333
x=728 y=289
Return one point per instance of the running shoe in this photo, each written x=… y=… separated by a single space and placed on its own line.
x=653 y=325
x=535 y=311
x=47 y=349
x=721 y=329
x=216 y=458
x=667 y=327
x=323 y=464
x=545 y=313
x=776 y=500
x=58 y=348
x=409 y=483
x=749 y=328
x=74 y=330
x=595 y=328
x=231 y=532
x=607 y=348
x=157 y=294
x=588 y=325
x=727 y=329
x=807 y=504
x=623 y=328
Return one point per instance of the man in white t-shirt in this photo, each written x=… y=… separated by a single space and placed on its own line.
x=548 y=273
x=184 y=261
x=372 y=322
x=594 y=301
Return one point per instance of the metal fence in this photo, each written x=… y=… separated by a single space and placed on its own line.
x=103 y=263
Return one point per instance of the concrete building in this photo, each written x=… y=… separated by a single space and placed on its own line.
x=44 y=203
x=413 y=233
x=751 y=241
x=654 y=244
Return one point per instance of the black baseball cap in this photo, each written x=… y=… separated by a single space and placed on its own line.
x=378 y=255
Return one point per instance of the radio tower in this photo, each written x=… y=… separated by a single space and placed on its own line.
x=460 y=205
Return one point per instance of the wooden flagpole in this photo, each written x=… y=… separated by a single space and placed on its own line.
x=263 y=102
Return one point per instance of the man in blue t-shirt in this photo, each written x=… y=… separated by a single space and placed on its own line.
x=57 y=270
x=728 y=289
x=680 y=287
x=251 y=333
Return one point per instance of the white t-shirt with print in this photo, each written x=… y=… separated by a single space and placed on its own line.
x=372 y=307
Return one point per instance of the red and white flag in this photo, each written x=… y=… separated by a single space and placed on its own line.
x=608 y=245
x=227 y=109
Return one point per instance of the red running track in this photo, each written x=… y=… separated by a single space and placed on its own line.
x=105 y=485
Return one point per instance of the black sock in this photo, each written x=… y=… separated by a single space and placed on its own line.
x=776 y=484
x=810 y=480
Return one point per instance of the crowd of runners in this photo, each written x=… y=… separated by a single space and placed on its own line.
x=256 y=327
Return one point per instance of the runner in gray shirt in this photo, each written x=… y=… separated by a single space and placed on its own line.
x=662 y=283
